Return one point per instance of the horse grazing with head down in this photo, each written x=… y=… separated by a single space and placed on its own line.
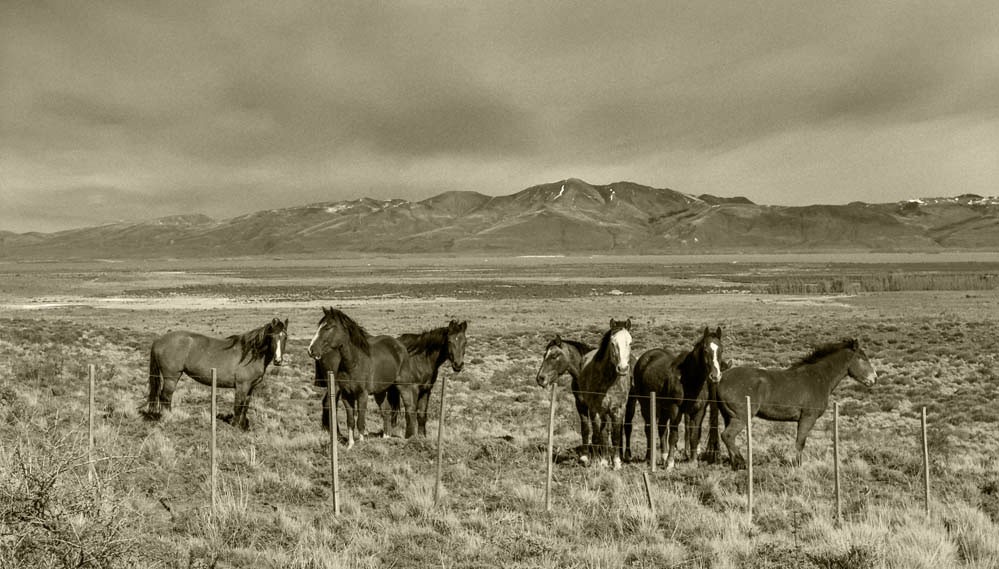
x=361 y=364
x=604 y=384
x=427 y=352
x=799 y=393
x=566 y=357
x=239 y=362
x=682 y=383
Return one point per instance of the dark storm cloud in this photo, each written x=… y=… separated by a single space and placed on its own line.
x=179 y=107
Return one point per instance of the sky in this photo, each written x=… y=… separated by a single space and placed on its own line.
x=132 y=110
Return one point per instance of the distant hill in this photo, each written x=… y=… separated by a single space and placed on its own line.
x=568 y=216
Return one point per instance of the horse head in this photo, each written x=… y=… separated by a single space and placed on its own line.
x=456 y=344
x=277 y=335
x=336 y=330
x=554 y=363
x=709 y=350
x=861 y=368
x=620 y=345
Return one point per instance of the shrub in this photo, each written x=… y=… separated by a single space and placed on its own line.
x=51 y=516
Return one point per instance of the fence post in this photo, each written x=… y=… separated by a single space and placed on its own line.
x=551 y=450
x=648 y=493
x=91 y=473
x=926 y=466
x=653 y=441
x=839 y=502
x=749 y=457
x=440 y=443
x=213 y=451
x=334 y=450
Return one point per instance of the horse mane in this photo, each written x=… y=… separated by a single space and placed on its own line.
x=253 y=344
x=604 y=343
x=583 y=347
x=426 y=341
x=822 y=351
x=356 y=333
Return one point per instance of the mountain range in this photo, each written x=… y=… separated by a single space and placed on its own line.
x=568 y=216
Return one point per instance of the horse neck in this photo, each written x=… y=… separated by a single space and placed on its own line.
x=575 y=358
x=605 y=370
x=829 y=370
x=693 y=372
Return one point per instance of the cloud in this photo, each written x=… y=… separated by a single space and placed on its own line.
x=181 y=106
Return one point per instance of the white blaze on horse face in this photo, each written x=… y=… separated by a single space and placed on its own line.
x=279 y=349
x=314 y=339
x=714 y=360
x=622 y=339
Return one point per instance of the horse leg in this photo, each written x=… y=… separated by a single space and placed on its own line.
x=388 y=403
x=168 y=385
x=422 y=402
x=349 y=401
x=629 y=415
x=646 y=407
x=585 y=432
x=241 y=404
x=734 y=426
x=600 y=442
x=617 y=431
x=674 y=434
x=693 y=435
x=408 y=396
x=362 y=410
x=805 y=424
x=712 y=451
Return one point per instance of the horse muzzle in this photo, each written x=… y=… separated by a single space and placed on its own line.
x=623 y=370
x=457 y=366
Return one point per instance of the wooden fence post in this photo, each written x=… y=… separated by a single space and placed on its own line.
x=839 y=498
x=334 y=450
x=648 y=493
x=749 y=458
x=551 y=450
x=653 y=441
x=214 y=476
x=440 y=443
x=91 y=472
x=926 y=466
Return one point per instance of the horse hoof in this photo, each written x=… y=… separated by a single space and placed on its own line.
x=584 y=459
x=602 y=463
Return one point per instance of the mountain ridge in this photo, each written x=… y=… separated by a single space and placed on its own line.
x=567 y=216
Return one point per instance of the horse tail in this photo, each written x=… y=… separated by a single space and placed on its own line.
x=155 y=383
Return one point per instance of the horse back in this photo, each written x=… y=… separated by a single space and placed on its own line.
x=196 y=355
x=777 y=396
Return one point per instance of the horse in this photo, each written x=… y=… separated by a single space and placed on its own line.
x=562 y=357
x=604 y=384
x=426 y=353
x=682 y=385
x=362 y=364
x=799 y=393
x=239 y=361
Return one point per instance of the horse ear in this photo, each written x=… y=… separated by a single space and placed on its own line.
x=558 y=339
x=285 y=323
x=718 y=332
x=275 y=321
x=706 y=333
x=854 y=344
x=612 y=323
x=627 y=324
x=464 y=325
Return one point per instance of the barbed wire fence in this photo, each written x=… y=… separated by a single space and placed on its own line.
x=829 y=434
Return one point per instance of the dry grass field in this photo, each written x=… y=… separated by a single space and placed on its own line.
x=148 y=505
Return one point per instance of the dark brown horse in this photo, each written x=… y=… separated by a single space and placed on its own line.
x=427 y=352
x=682 y=384
x=239 y=361
x=604 y=384
x=799 y=393
x=566 y=357
x=361 y=364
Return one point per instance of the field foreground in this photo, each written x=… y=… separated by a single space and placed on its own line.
x=148 y=503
